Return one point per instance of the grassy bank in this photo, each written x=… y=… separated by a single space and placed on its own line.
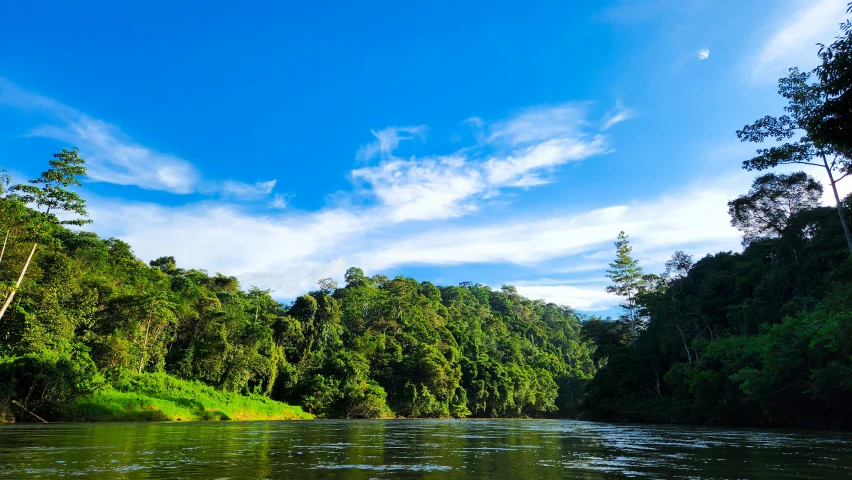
x=162 y=397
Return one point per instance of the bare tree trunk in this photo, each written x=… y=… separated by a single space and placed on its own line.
x=632 y=317
x=31 y=413
x=838 y=203
x=685 y=347
x=18 y=283
x=6 y=239
x=145 y=345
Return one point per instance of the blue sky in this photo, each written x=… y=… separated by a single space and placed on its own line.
x=493 y=142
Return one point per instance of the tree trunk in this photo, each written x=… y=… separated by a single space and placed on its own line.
x=839 y=204
x=18 y=283
x=145 y=345
x=4 y=245
x=685 y=346
x=31 y=413
x=632 y=317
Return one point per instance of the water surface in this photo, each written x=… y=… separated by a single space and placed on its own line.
x=450 y=449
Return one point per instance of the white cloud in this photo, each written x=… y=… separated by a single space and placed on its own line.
x=523 y=150
x=279 y=201
x=247 y=191
x=691 y=217
x=616 y=116
x=475 y=122
x=586 y=298
x=288 y=252
x=540 y=123
x=113 y=157
x=704 y=54
x=516 y=168
x=793 y=43
x=387 y=140
x=424 y=189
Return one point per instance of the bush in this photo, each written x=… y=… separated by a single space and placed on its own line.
x=46 y=383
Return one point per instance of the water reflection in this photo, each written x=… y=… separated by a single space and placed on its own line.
x=416 y=449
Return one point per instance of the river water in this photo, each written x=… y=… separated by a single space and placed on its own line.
x=523 y=449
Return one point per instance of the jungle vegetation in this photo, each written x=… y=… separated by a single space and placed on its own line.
x=88 y=317
x=761 y=337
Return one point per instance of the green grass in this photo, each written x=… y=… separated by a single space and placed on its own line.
x=165 y=398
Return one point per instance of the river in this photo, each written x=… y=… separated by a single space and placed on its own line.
x=448 y=449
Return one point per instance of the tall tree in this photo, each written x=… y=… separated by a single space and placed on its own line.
x=804 y=100
x=628 y=280
x=833 y=122
x=13 y=212
x=771 y=201
x=5 y=211
x=50 y=192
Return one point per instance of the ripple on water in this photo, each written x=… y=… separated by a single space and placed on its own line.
x=419 y=449
x=386 y=468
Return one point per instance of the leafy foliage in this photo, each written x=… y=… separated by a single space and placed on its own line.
x=628 y=281
x=758 y=338
x=772 y=200
x=90 y=317
x=804 y=115
x=831 y=123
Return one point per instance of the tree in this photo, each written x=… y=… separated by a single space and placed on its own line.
x=628 y=280
x=354 y=277
x=14 y=215
x=50 y=192
x=771 y=201
x=678 y=266
x=6 y=213
x=832 y=124
x=804 y=101
x=327 y=285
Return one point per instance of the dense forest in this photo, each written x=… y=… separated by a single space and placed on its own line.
x=760 y=337
x=89 y=314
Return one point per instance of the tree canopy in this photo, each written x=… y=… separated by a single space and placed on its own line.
x=89 y=314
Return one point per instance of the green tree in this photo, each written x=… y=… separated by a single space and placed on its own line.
x=832 y=124
x=804 y=100
x=771 y=202
x=50 y=192
x=327 y=285
x=6 y=205
x=628 y=281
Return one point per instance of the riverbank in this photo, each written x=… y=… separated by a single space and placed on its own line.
x=160 y=397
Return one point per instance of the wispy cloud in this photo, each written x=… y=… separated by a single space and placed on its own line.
x=589 y=298
x=247 y=191
x=518 y=153
x=423 y=189
x=704 y=54
x=388 y=139
x=686 y=217
x=288 y=252
x=793 y=43
x=540 y=123
x=619 y=114
x=114 y=157
x=280 y=201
